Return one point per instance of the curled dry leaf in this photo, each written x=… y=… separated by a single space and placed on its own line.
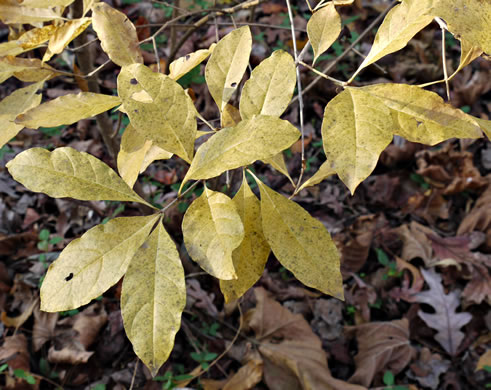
x=64 y=35
x=428 y=368
x=44 y=328
x=445 y=320
x=381 y=346
x=416 y=242
x=292 y=353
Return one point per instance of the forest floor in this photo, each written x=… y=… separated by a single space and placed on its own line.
x=415 y=241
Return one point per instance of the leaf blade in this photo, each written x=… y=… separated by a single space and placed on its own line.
x=323 y=28
x=74 y=280
x=152 y=299
x=212 y=229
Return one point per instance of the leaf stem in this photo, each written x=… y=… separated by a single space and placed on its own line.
x=180 y=196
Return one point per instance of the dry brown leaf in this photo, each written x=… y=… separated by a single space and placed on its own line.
x=292 y=353
x=408 y=289
x=248 y=376
x=44 y=327
x=16 y=322
x=381 y=346
x=428 y=368
x=14 y=350
x=415 y=242
x=445 y=319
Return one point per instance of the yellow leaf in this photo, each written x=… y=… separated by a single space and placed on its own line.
x=250 y=257
x=67 y=109
x=227 y=65
x=278 y=163
x=88 y=4
x=117 y=35
x=136 y=154
x=12 y=12
x=183 y=65
x=469 y=19
x=484 y=360
x=27 y=41
x=168 y=119
x=25 y=69
x=422 y=116
x=300 y=243
x=323 y=29
x=64 y=35
x=270 y=88
x=485 y=126
x=46 y=3
x=402 y=23
x=259 y=138
x=91 y=264
x=323 y=173
x=153 y=298
x=357 y=127
x=16 y=103
x=212 y=229
x=66 y=172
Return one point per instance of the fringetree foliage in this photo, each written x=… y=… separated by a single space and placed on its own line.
x=230 y=239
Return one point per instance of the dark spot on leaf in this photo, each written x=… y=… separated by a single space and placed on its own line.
x=188 y=57
x=69 y=277
x=234 y=85
x=133 y=81
x=136 y=111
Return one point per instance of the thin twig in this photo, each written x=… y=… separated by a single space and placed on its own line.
x=134 y=374
x=180 y=196
x=443 y=27
x=169 y=5
x=336 y=81
x=299 y=89
x=332 y=65
x=192 y=25
x=156 y=52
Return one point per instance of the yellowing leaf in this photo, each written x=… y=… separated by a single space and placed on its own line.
x=212 y=229
x=402 y=23
x=27 y=41
x=91 y=264
x=230 y=116
x=469 y=19
x=66 y=172
x=117 y=35
x=168 y=119
x=356 y=128
x=136 y=154
x=88 y=4
x=25 y=69
x=250 y=257
x=300 y=243
x=227 y=65
x=485 y=126
x=11 y=12
x=422 y=116
x=278 y=163
x=259 y=138
x=64 y=35
x=153 y=298
x=323 y=173
x=46 y=3
x=183 y=65
x=270 y=88
x=67 y=109
x=323 y=29
x=16 y=103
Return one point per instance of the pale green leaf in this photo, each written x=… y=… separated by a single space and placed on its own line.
x=278 y=163
x=16 y=103
x=323 y=173
x=66 y=172
x=300 y=243
x=357 y=127
x=250 y=257
x=12 y=12
x=183 y=65
x=212 y=229
x=67 y=109
x=469 y=19
x=402 y=23
x=323 y=29
x=91 y=264
x=259 y=138
x=227 y=65
x=153 y=298
x=136 y=154
x=117 y=35
x=159 y=109
x=422 y=116
x=270 y=88
x=64 y=35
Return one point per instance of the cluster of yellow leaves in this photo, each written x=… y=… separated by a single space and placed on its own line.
x=230 y=238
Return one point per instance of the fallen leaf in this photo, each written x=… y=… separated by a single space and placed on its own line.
x=381 y=346
x=416 y=242
x=44 y=328
x=428 y=368
x=445 y=320
x=14 y=350
x=484 y=360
